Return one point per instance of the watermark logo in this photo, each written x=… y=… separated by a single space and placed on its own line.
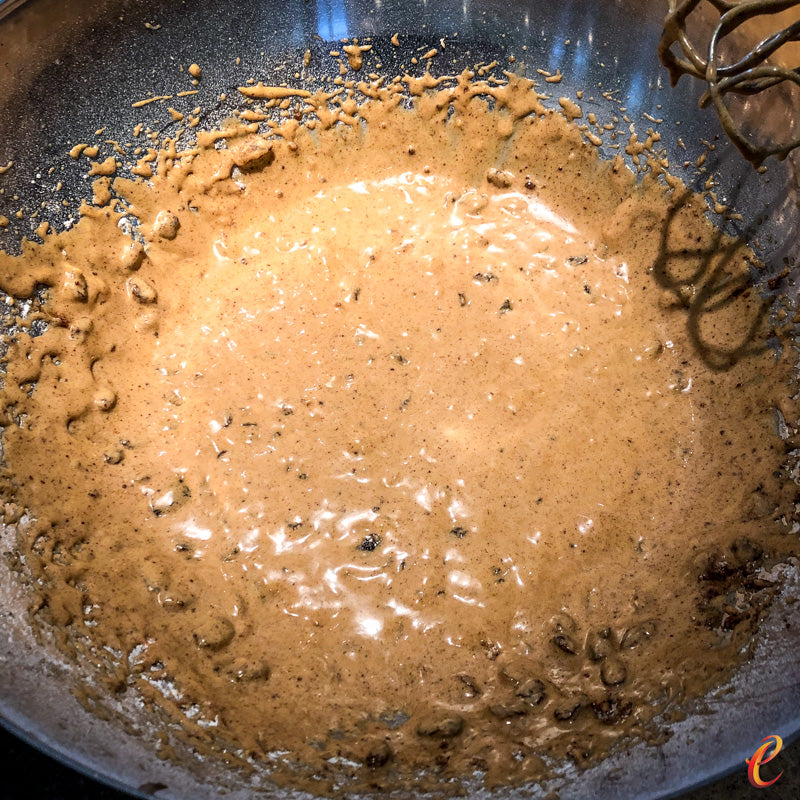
x=770 y=747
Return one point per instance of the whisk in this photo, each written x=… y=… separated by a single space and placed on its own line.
x=750 y=75
x=7 y=6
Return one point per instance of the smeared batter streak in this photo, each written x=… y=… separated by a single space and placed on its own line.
x=398 y=451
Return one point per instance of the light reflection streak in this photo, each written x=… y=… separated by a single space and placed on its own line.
x=470 y=601
x=331 y=20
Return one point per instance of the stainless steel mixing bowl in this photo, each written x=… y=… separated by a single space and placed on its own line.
x=68 y=69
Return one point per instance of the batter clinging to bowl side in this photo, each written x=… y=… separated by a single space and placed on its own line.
x=399 y=452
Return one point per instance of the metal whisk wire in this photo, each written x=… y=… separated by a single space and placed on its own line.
x=747 y=76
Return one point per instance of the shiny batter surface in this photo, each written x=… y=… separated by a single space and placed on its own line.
x=414 y=446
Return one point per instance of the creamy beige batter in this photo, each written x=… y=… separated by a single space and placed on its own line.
x=400 y=450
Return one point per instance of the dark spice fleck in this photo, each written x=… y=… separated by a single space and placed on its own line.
x=446 y=727
x=638 y=634
x=567 y=710
x=459 y=532
x=566 y=643
x=370 y=542
x=378 y=756
x=471 y=688
x=745 y=551
x=533 y=691
x=114 y=456
x=393 y=719
x=508 y=711
x=611 y=711
x=499 y=178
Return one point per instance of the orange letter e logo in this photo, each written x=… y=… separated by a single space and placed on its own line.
x=760 y=757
